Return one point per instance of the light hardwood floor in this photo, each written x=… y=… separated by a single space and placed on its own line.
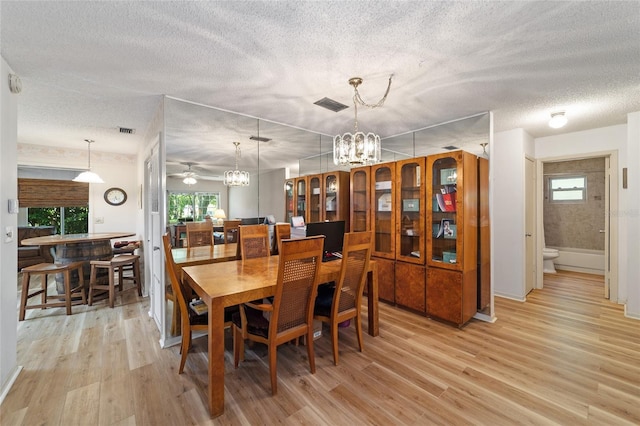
x=566 y=356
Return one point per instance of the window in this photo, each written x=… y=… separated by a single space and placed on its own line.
x=568 y=189
x=192 y=206
x=67 y=220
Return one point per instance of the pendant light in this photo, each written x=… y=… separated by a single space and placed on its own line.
x=88 y=176
x=358 y=148
x=236 y=177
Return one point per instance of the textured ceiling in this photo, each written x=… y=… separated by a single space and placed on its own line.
x=90 y=67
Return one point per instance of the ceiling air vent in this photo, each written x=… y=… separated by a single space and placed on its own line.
x=259 y=139
x=127 y=131
x=330 y=104
x=450 y=147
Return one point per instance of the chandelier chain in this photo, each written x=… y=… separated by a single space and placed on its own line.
x=357 y=100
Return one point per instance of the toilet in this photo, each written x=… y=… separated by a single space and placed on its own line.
x=548 y=254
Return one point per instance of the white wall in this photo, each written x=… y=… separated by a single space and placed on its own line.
x=117 y=170
x=507 y=163
x=631 y=211
x=8 y=250
x=272 y=194
x=243 y=200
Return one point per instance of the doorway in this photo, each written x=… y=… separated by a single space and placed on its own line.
x=579 y=215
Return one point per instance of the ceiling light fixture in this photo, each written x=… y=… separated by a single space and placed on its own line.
x=236 y=177
x=189 y=176
x=558 y=119
x=358 y=148
x=88 y=176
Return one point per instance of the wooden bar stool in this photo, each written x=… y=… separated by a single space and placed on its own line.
x=44 y=270
x=116 y=264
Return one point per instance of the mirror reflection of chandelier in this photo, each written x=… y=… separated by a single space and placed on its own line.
x=358 y=148
x=236 y=177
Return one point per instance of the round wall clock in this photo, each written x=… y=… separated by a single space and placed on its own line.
x=115 y=196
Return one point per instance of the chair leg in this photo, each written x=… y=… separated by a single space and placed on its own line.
x=112 y=286
x=310 y=351
x=186 y=342
x=45 y=284
x=136 y=274
x=238 y=345
x=334 y=340
x=120 y=276
x=81 y=284
x=273 y=353
x=26 y=276
x=92 y=282
x=67 y=291
x=358 y=329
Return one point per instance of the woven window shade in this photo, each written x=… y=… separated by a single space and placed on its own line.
x=52 y=193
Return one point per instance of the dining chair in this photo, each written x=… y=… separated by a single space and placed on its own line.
x=345 y=301
x=190 y=320
x=230 y=229
x=254 y=241
x=282 y=232
x=290 y=316
x=199 y=234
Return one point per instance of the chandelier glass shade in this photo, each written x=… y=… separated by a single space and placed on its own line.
x=236 y=177
x=358 y=148
x=88 y=176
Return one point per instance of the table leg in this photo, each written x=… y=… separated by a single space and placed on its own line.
x=372 y=300
x=216 y=357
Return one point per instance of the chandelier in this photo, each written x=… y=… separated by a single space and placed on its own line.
x=358 y=148
x=236 y=177
x=88 y=176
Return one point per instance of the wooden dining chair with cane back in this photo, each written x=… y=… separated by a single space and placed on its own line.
x=290 y=316
x=254 y=241
x=282 y=232
x=199 y=234
x=345 y=301
x=194 y=317
x=230 y=230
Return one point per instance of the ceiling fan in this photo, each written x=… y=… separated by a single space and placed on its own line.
x=189 y=176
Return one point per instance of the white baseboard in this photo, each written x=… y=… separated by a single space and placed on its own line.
x=9 y=383
x=508 y=296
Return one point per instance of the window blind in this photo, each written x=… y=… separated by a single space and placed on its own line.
x=52 y=193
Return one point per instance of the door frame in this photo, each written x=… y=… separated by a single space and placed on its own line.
x=611 y=234
x=530 y=237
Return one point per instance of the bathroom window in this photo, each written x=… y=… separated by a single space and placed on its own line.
x=568 y=189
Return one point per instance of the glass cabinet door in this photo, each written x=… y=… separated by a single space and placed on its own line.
x=315 y=199
x=442 y=244
x=384 y=209
x=288 y=201
x=301 y=198
x=331 y=197
x=410 y=196
x=360 y=186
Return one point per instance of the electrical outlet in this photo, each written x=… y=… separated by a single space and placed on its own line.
x=99 y=220
x=8 y=234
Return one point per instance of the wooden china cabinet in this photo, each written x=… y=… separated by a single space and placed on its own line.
x=335 y=197
x=452 y=238
x=301 y=195
x=289 y=186
x=315 y=211
x=360 y=205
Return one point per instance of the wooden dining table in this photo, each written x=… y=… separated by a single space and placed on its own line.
x=204 y=254
x=226 y=284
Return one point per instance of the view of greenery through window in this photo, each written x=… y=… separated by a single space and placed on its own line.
x=192 y=206
x=76 y=219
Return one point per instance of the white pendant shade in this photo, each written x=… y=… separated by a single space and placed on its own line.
x=88 y=177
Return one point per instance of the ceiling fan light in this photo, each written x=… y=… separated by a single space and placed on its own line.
x=189 y=180
x=558 y=120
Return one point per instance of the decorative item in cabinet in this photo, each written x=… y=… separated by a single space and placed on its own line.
x=383 y=211
x=410 y=223
x=315 y=198
x=336 y=197
x=288 y=200
x=451 y=295
x=360 y=200
x=410 y=286
x=301 y=197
